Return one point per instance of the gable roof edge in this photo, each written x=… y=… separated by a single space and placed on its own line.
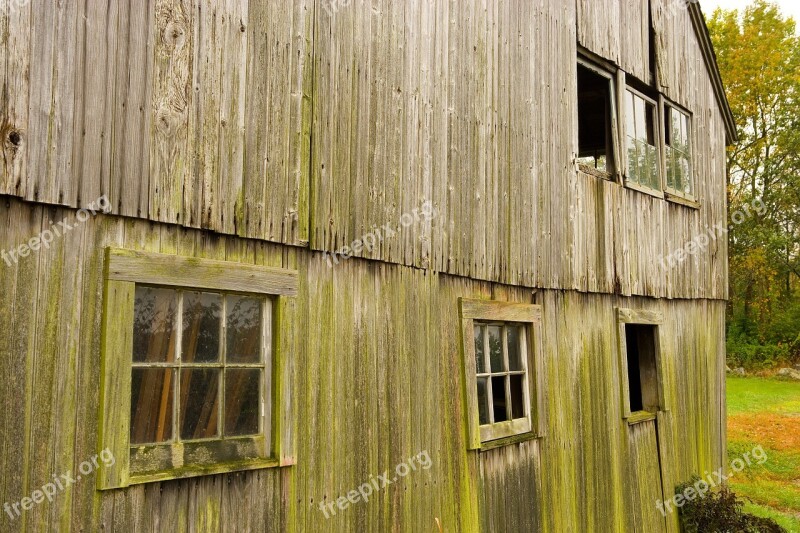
x=710 y=57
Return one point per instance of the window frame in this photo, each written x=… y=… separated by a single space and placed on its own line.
x=529 y=316
x=671 y=194
x=657 y=138
x=144 y=463
x=646 y=318
x=612 y=76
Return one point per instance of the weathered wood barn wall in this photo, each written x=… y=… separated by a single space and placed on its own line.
x=270 y=132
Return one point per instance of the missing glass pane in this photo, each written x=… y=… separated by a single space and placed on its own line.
x=151 y=405
x=201 y=327
x=154 y=331
x=499 y=404
x=480 y=354
x=242 y=401
x=243 y=323
x=640 y=341
x=199 y=408
x=517 y=396
x=594 y=120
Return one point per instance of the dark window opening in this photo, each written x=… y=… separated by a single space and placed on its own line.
x=642 y=369
x=595 y=146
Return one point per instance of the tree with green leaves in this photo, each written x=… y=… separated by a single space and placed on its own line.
x=758 y=50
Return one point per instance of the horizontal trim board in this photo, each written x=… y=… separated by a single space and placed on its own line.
x=487 y=310
x=178 y=271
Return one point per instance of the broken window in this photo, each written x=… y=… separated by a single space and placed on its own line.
x=640 y=132
x=641 y=346
x=678 y=151
x=595 y=116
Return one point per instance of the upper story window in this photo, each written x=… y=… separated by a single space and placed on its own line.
x=193 y=381
x=502 y=369
x=643 y=164
x=596 y=115
x=678 y=151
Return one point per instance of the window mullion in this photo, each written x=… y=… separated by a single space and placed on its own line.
x=488 y=362
x=223 y=358
x=176 y=372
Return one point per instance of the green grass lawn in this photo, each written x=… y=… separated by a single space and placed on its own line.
x=766 y=412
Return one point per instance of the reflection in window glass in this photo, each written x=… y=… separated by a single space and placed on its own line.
x=154 y=331
x=480 y=355
x=483 y=410
x=151 y=405
x=198 y=408
x=643 y=165
x=242 y=401
x=514 y=351
x=678 y=153
x=496 y=349
x=243 y=323
x=201 y=327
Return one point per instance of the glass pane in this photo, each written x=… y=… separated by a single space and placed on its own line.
x=154 y=329
x=514 y=351
x=652 y=167
x=483 y=411
x=668 y=156
x=641 y=130
x=151 y=405
x=517 y=396
x=686 y=172
x=242 y=401
x=630 y=115
x=199 y=403
x=244 y=329
x=499 y=399
x=201 y=327
x=496 y=349
x=633 y=160
x=480 y=355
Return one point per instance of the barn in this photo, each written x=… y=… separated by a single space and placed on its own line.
x=359 y=265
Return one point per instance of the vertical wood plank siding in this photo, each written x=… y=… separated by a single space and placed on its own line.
x=320 y=121
x=376 y=367
x=276 y=132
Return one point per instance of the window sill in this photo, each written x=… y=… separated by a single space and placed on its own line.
x=681 y=200
x=161 y=462
x=602 y=174
x=508 y=441
x=642 y=189
x=194 y=471
x=640 y=416
x=511 y=428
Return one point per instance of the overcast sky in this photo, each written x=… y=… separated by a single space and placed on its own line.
x=787 y=7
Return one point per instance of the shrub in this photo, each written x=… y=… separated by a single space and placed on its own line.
x=720 y=511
